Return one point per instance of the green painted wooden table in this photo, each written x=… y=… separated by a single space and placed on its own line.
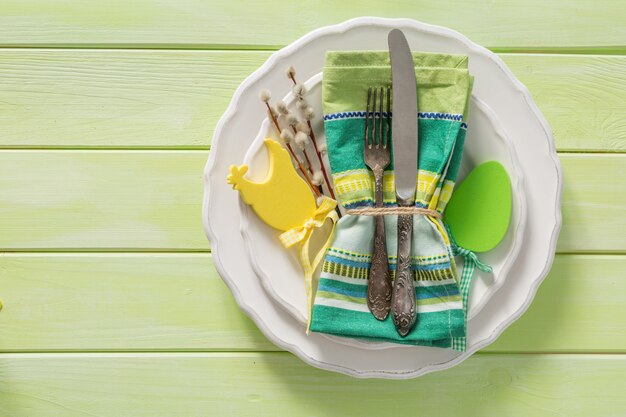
x=112 y=306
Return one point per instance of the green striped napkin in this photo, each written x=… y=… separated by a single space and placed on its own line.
x=340 y=308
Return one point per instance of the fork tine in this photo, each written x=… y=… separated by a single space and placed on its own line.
x=380 y=125
x=373 y=138
x=388 y=118
x=367 y=116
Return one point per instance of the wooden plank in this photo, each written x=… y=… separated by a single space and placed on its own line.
x=151 y=200
x=586 y=180
x=271 y=384
x=578 y=308
x=177 y=302
x=173 y=99
x=119 y=302
x=100 y=99
x=106 y=200
x=582 y=97
x=196 y=24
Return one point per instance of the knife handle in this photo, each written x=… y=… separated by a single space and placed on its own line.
x=403 y=301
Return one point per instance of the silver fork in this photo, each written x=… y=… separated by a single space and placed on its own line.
x=376 y=155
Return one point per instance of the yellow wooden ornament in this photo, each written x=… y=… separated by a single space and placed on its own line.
x=285 y=201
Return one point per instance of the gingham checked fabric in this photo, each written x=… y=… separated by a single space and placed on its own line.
x=470 y=263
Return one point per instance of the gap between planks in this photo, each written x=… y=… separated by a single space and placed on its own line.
x=178 y=252
x=37 y=353
x=566 y=50
x=207 y=148
x=230 y=354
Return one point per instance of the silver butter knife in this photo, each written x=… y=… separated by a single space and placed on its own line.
x=405 y=140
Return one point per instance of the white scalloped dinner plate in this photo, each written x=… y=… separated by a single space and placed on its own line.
x=520 y=119
x=279 y=270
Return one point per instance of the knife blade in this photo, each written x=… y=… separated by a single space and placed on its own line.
x=404 y=121
x=404 y=136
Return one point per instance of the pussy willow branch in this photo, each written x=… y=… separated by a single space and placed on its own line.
x=311 y=136
x=319 y=158
x=308 y=161
x=302 y=169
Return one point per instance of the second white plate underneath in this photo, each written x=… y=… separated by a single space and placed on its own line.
x=278 y=269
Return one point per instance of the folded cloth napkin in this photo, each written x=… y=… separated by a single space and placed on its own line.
x=443 y=89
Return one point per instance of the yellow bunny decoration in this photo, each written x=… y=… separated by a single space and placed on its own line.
x=285 y=202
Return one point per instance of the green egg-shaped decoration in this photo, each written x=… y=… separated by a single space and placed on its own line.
x=479 y=211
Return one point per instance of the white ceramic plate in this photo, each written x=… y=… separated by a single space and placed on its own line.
x=279 y=270
x=517 y=113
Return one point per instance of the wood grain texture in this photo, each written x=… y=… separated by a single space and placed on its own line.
x=582 y=97
x=271 y=384
x=119 y=302
x=151 y=200
x=197 y=24
x=108 y=199
x=586 y=180
x=173 y=99
x=578 y=308
x=119 y=99
x=177 y=302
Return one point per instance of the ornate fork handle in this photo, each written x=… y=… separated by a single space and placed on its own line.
x=379 y=285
